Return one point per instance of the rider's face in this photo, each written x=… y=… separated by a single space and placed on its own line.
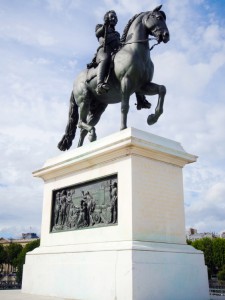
x=112 y=19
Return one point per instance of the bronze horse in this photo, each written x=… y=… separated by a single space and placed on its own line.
x=132 y=73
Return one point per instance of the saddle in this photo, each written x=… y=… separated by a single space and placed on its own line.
x=92 y=67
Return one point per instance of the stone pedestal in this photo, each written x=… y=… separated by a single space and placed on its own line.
x=144 y=256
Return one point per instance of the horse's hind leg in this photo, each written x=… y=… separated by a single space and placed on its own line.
x=96 y=110
x=84 y=127
x=155 y=89
x=83 y=133
x=84 y=104
x=125 y=88
x=94 y=116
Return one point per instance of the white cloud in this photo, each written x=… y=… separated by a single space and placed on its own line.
x=63 y=5
x=28 y=36
x=45 y=39
x=126 y=7
x=209 y=209
x=212 y=35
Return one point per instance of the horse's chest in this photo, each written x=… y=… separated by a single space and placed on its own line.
x=143 y=72
x=142 y=65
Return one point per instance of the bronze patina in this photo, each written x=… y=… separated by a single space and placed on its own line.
x=86 y=205
x=132 y=72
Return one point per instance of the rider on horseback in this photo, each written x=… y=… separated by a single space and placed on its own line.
x=109 y=40
x=133 y=73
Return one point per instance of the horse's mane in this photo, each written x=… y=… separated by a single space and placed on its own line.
x=125 y=31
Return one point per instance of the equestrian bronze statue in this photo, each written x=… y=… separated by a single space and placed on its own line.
x=132 y=72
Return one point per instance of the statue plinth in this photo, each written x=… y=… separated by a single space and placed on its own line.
x=141 y=252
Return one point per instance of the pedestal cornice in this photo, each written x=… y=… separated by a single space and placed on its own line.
x=127 y=142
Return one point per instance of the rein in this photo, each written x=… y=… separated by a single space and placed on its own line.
x=143 y=41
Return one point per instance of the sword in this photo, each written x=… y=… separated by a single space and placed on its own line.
x=105 y=35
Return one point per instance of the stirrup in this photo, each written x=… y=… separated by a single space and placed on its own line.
x=143 y=104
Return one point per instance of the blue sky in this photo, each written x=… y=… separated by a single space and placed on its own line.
x=44 y=44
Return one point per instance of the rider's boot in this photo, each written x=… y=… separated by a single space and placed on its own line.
x=142 y=102
x=102 y=87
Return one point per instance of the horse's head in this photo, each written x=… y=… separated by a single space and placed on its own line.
x=155 y=22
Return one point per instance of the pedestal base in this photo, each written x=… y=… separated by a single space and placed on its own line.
x=124 y=270
x=144 y=255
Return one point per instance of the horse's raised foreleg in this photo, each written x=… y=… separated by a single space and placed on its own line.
x=155 y=89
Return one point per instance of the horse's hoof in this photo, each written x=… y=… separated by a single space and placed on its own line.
x=92 y=136
x=64 y=144
x=152 y=119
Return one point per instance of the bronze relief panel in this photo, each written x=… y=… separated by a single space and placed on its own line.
x=86 y=205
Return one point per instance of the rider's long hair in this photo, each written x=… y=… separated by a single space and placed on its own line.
x=106 y=16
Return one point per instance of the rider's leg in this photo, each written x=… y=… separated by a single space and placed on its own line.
x=103 y=68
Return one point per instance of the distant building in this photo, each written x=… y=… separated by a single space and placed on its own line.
x=193 y=235
x=4 y=242
x=30 y=235
x=192 y=231
x=26 y=238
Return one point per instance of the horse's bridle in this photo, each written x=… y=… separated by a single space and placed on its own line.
x=143 y=41
x=146 y=40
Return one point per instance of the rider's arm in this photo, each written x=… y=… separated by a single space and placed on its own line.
x=99 y=30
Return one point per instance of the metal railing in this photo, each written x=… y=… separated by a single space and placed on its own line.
x=217 y=293
x=9 y=285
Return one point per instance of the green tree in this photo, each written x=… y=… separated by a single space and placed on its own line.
x=206 y=245
x=21 y=258
x=12 y=252
x=221 y=274
x=218 y=253
x=214 y=253
x=3 y=257
x=189 y=242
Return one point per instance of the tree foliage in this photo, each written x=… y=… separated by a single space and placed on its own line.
x=12 y=252
x=21 y=258
x=205 y=245
x=219 y=252
x=221 y=274
x=214 y=253
x=3 y=255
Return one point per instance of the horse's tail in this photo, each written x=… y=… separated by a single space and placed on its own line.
x=67 y=139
